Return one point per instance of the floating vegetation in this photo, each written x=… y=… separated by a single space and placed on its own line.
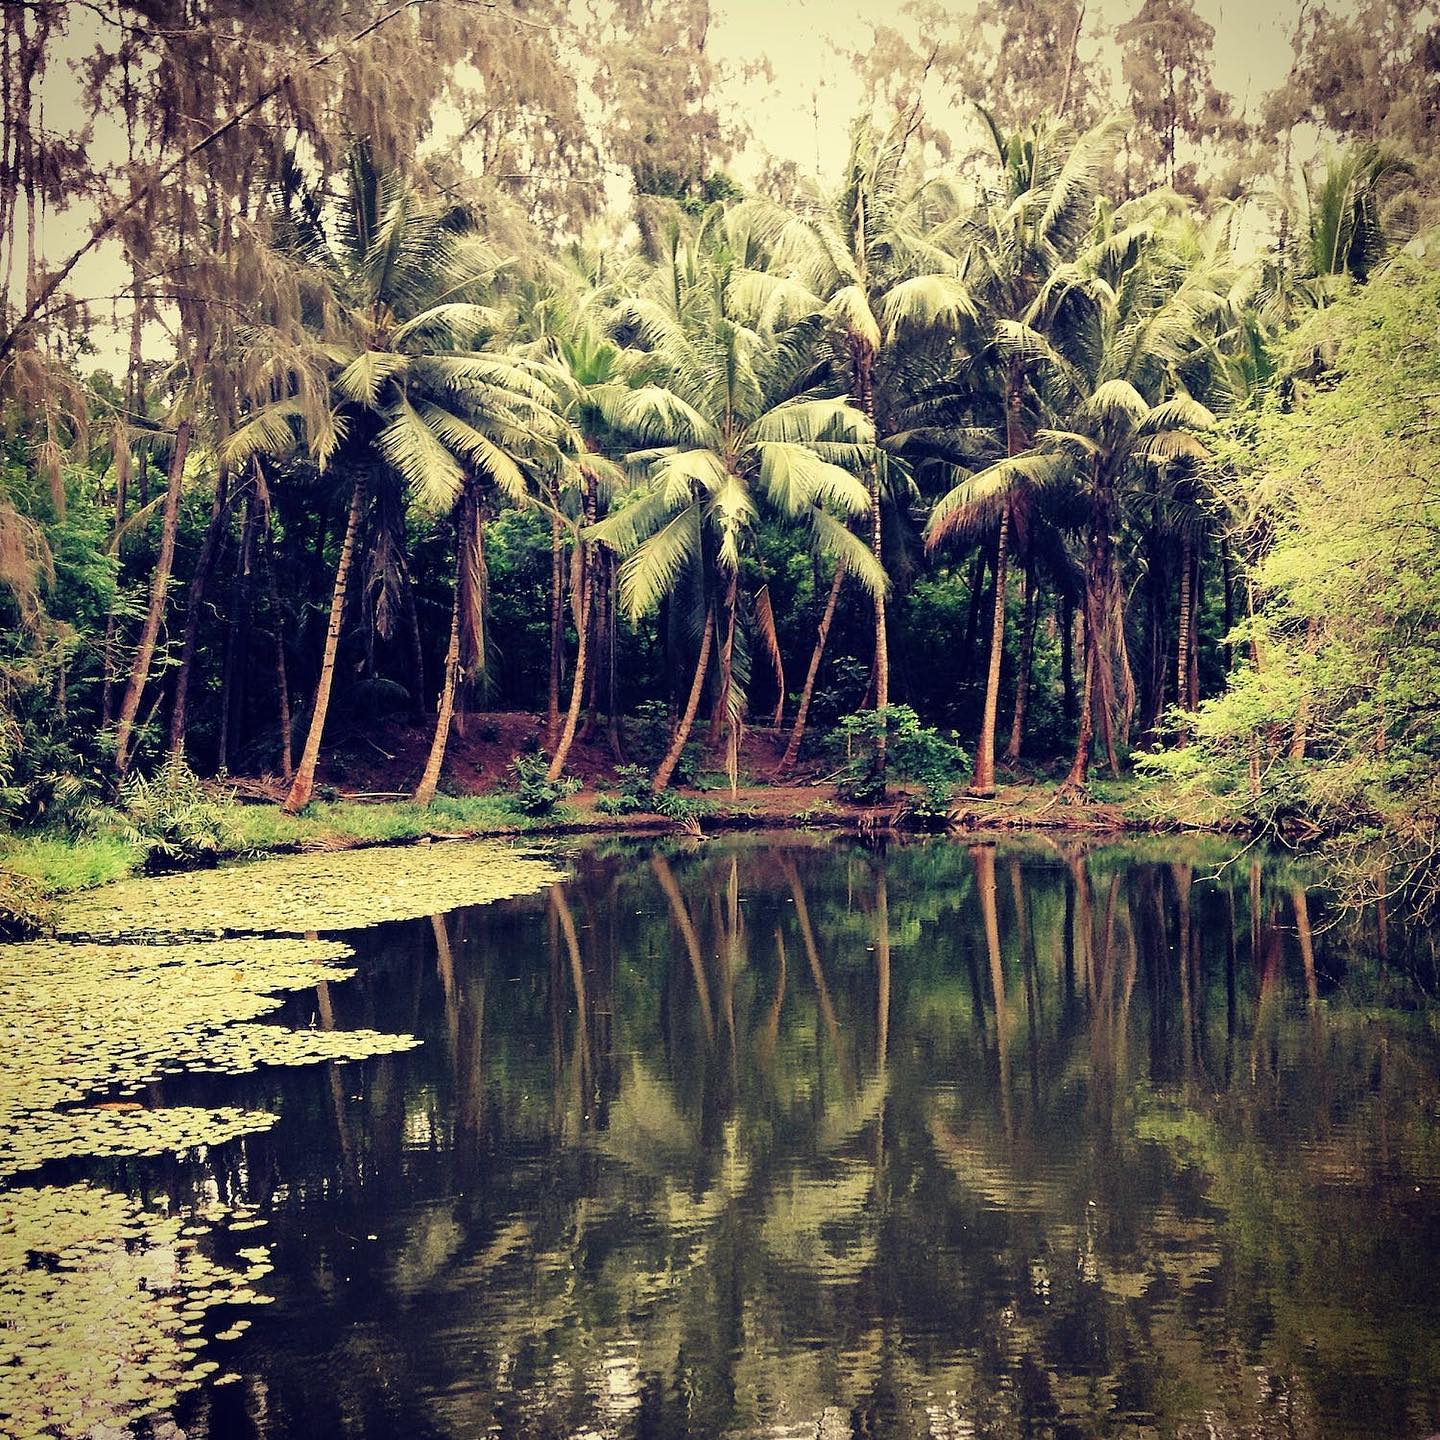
x=298 y=894
x=81 y=1021
x=102 y=1302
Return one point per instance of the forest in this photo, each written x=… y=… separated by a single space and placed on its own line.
x=373 y=375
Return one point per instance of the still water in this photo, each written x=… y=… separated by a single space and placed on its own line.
x=784 y=1137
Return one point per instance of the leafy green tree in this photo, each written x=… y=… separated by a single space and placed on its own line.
x=728 y=426
x=1331 y=719
x=383 y=389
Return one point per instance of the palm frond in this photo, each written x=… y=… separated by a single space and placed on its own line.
x=651 y=570
x=977 y=500
x=413 y=448
x=362 y=379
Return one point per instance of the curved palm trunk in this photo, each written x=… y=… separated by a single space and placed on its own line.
x=159 y=586
x=435 y=762
x=303 y=785
x=583 y=584
x=1022 y=678
x=692 y=705
x=219 y=512
x=983 y=782
x=797 y=731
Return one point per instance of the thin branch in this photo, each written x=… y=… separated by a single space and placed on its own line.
x=112 y=217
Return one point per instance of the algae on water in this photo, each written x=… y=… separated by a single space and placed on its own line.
x=82 y=1021
x=298 y=894
x=105 y=1303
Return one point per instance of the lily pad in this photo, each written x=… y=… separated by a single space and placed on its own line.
x=297 y=894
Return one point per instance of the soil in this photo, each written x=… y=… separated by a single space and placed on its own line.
x=386 y=763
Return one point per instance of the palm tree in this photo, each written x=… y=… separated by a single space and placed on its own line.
x=1150 y=311
x=1350 y=219
x=1024 y=234
x=379 y=386
x=586 y=369
x=872 y=258
x=728 y=426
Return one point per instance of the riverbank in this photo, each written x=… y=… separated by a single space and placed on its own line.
x=37 y=868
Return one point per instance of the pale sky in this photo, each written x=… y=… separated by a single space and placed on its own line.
x=804 y=112
x=807 y=44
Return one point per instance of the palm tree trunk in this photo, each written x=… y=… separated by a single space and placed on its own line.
x=282 y=682
x=159 y=586
x=728 y=708
x=557 y=633
x=797 y=731
x=582 y=583
x=863 y=364
x=983 y=782
x=1022 y=677
x=304 y=783
x=692 y=705
x=199 y=581
x=612 y=711
x=1182 y=648
x=430 y=779
x=1197 y=607
x=1080 y=767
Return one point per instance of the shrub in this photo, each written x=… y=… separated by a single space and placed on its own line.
x=534 y=794
x=172 y=819
x=911 y=752
x=635 y=797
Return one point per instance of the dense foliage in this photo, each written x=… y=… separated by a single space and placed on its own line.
x=1331 y=718
x=1033 y=443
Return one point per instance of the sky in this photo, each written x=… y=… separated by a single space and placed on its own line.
x=788 y=76
x=807 y=44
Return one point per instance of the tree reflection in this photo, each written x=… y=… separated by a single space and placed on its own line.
x=780 y=1138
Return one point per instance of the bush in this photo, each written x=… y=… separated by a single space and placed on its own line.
x=171 y=818
x=911 y=752
x=635 y=797
x=534 y=794
x=648 y=733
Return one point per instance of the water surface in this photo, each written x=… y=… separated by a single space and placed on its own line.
x=781 y=1136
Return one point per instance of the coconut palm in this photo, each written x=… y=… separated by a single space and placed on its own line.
x=1149 y=312
x=1025 y=233
x=385 y=385
x=874 y=258
x=728 y=426
x=586 y=368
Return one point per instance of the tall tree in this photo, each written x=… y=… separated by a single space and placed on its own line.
x=729 y=427
x=383 y=389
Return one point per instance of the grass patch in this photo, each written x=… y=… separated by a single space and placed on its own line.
x=60 y=863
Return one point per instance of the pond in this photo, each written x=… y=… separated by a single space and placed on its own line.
x=783 y=1136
